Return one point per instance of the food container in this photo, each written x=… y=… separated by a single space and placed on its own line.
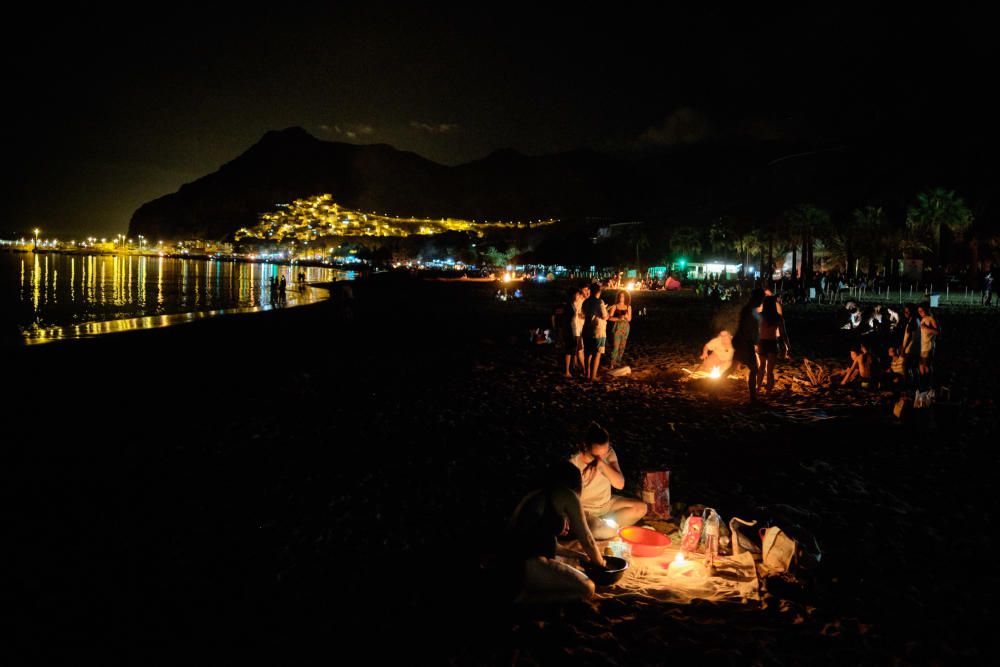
x=644 y=542
x=608 y=575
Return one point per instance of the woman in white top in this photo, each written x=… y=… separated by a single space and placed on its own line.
x=599 y=468
x=929 y=330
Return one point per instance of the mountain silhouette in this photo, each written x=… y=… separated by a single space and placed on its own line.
x=685 y=185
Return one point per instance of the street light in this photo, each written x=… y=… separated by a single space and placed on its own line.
x=37 y=230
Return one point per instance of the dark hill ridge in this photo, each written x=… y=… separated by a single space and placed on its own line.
x=689 y=184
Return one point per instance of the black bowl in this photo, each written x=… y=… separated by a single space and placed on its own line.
x=608 y=575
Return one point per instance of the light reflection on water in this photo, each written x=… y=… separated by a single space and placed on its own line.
x=53 y=298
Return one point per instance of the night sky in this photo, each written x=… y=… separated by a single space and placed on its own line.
x=101 y=118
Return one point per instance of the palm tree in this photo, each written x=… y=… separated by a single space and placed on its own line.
x=870 y=224
x=934 y=211
x=685 y=241
x=722 y=235
x=640 y=241
x=805 y=223
x=748 y=245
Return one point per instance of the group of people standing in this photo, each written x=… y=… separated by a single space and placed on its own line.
x=583 y=325
x=279 y=289
x=761 y=336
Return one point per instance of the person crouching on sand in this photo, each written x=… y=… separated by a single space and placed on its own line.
x=860 y=369
x=896 y=373
x=717 y=353
x=541 y=518
x=598 y=464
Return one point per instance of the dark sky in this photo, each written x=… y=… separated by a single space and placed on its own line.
x=107 y=110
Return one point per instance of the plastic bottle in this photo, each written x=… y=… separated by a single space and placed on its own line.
x=713 y=524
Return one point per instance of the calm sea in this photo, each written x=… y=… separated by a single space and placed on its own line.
x=52 y=296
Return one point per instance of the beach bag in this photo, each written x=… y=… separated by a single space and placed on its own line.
x=691 y=532
x=924 y=399
x=778 y=550
x=656 y=492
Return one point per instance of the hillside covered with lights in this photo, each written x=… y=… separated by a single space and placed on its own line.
x=320 y=217
x=291 y=165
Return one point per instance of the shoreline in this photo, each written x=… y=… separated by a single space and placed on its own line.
x=88 y=330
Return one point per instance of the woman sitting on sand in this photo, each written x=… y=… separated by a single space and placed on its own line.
x=896 y=371
x=542 y=517
x=598 y=464
x=620 y=316
x=717 y=353
x=860 y=369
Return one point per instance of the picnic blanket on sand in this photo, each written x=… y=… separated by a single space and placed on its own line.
x=734 y=580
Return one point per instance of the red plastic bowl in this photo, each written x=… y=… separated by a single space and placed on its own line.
x=644 y=542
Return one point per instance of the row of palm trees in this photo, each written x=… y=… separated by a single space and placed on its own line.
x=866 y=239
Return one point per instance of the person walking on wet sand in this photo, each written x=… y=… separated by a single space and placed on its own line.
x=594 y=331
x=282 y=288
x=747 y=337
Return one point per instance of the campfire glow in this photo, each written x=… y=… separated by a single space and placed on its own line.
x=506 y=277
x=716 y=373
x=630 y=286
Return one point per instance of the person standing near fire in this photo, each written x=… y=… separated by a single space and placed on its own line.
x=747 y=338
x=595 y=331
x=621 y=317
x=929 y=330
x=909 y=347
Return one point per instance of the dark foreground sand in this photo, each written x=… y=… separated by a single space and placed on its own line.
x=302 y=479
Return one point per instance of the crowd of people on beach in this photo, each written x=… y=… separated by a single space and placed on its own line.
x=893 y=350
x=582 y=326
x=896 y=352
x=574 y=509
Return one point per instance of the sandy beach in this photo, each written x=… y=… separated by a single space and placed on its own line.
x=332 y=470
